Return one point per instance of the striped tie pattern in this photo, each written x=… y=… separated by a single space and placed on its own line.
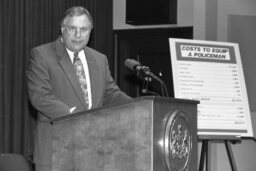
x=81 y=77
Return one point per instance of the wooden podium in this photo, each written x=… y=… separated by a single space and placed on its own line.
x=145 y=134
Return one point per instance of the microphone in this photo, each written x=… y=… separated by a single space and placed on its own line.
x=136 y=66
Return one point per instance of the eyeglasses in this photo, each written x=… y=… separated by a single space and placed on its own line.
x=73 y=29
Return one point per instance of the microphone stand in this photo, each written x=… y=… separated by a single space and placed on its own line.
x=148 y=77
x=145 y=90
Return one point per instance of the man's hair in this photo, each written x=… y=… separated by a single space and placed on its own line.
x=76 y=11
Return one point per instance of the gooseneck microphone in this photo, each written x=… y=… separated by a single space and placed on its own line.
x=136 y=66
x=131 y=63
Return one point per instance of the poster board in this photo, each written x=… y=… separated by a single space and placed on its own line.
x=211 y=72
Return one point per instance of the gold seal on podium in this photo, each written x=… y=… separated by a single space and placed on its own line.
x=178 y=141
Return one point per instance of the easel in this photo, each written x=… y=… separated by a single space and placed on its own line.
x=204 y=158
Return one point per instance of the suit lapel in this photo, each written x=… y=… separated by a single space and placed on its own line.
x=67 y=66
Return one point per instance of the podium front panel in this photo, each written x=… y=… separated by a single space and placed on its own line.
x=129 y=137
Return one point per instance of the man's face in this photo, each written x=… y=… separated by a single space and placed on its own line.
x=76 y=32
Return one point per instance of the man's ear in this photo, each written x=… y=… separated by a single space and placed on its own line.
x=62 y=29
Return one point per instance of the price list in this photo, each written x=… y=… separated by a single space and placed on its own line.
x=219 y=93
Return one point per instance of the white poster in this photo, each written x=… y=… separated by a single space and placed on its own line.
x=211 y=72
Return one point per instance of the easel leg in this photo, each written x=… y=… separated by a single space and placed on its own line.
x=230 y=155
x=204 y=155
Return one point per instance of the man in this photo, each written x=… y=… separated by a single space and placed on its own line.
x=66 y=77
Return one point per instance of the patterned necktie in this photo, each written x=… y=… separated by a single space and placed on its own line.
x=81 y=77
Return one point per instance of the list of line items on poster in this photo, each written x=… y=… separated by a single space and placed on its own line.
x=210 y=74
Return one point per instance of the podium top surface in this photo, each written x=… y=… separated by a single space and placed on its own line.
x=134 y=100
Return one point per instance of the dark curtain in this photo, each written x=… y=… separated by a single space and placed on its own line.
x=23 y=25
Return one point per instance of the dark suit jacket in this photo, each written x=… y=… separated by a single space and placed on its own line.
x=53 y=89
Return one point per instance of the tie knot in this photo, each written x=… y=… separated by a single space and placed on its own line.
x=75 y=57
x=75 y=54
